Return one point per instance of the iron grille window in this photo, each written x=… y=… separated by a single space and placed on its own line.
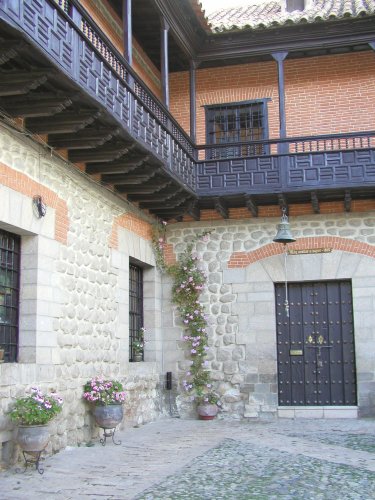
x=9 y=293
x=237 y=122
x=135 y=308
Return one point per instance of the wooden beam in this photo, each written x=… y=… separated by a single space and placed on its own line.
x=315 y=202
x=132 y=178
x=85 y=139
x=123 y=166
x=172 y=202
x=163 y=195
x=18 y=82
x=221 y=207
x=251 y=206
x=193 y=210
x=154 y=187
x=35 y=105
x=347 y=201
x=103 y=154
x=9 y=49
x=67 y=122
x=170 y=213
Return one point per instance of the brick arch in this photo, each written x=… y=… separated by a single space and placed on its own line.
x=243 y=259
x=23 y=184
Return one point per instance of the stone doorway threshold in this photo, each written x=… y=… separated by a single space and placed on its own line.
x=317 y=412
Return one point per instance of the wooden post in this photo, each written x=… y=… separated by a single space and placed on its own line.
x=164 y=62
x=127 y=30
x=193 y=106
x=279 y=58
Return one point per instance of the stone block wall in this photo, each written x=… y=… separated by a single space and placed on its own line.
x=243 y=266
x=74 y=291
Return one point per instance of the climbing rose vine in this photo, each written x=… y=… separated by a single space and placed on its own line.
x=188 y=282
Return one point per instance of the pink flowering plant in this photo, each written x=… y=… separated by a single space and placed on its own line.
x=189 y=279
x=36 y=409
x=101 y=392
x=140 y=342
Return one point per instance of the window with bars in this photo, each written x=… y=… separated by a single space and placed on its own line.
x=10 y=245
x=237 y=122
x=135 y=311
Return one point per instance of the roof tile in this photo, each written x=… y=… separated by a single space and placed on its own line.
x=273 y=14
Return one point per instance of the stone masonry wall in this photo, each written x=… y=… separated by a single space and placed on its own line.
x=74 y=291
x=240 y=301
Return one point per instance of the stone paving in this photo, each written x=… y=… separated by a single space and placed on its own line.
x=175 y=459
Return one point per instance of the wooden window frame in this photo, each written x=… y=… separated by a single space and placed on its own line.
x=235 y=108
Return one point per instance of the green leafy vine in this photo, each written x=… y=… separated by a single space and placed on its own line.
x=188 y=282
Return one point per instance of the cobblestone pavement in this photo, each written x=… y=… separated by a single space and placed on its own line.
x=175 y=459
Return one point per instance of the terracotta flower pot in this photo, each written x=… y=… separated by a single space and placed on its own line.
x=207 y=411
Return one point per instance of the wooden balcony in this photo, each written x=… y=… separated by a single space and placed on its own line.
x=307 y=169
x=61 y=74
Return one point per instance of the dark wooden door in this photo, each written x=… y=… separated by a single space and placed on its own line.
x=315 y=344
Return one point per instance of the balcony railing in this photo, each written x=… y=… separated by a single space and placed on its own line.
x=285 y=165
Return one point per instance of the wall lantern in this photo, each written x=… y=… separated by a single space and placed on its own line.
x=39 y=207
x=284 y=236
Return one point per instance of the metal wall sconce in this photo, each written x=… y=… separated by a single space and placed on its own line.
x=39 y=207
x=284 y=236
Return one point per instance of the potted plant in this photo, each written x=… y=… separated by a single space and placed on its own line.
x=208 y=405
x=106 y=396
x=32 y=414
x=138 y=345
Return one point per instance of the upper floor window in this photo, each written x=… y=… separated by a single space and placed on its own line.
x=10 y=245
x=237 y=122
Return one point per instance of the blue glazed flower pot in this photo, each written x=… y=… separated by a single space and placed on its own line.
x=32 y=438
x=109 y=416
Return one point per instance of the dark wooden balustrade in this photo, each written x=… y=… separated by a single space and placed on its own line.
x=61 y=74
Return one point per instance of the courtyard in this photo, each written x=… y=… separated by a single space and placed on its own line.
x=176 y=459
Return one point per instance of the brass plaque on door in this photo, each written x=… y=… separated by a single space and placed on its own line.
x=296 y=352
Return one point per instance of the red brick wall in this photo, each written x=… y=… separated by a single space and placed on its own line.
x=329 y=94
